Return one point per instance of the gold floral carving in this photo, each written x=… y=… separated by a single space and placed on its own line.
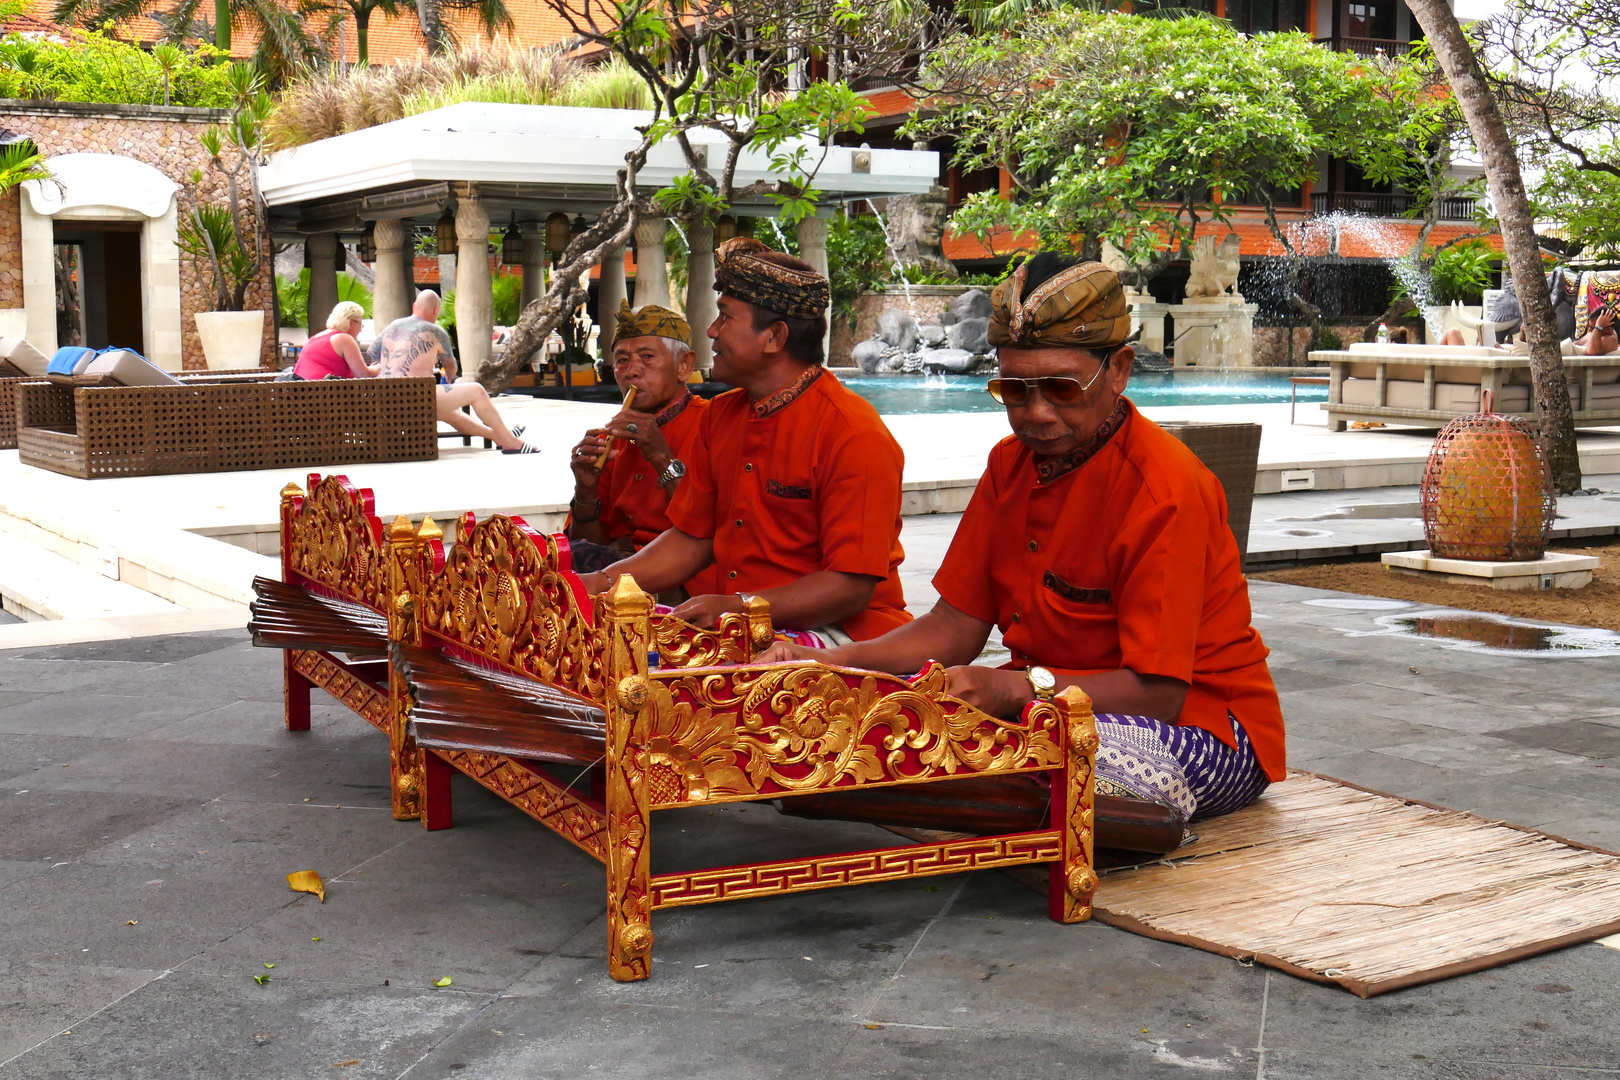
x=737 y=638
x=831 y=871
x=741 y=732
x=337 y=542
x=501 y=594
x=537 y=795
x=624 y=616
x=411 y=558
x=1073 y=808
x=360 y=696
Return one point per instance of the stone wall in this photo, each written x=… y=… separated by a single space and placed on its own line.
x=10 y=250
x=160 y=136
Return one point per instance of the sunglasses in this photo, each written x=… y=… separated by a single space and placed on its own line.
x=1058 y=390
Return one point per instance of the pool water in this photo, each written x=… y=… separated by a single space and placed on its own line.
x=899 y=395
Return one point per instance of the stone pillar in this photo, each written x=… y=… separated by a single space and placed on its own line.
x=700 y=299
x=323 y=251
x=652 y=269
x=534 y=263
x=407 y=261
x=475 y=299
x=609 y=292
x=391 y=298
x=813 y=250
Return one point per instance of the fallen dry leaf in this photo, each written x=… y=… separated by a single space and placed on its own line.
x=307 y=881
x=132 y=922
x=442 y=982
x=268 y=966
x=261 y=979
x=345 y=1064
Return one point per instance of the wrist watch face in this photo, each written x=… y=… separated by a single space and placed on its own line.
x=676 y=467
x=1042 y=681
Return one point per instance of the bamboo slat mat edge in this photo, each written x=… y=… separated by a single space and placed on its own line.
x=1253 y=835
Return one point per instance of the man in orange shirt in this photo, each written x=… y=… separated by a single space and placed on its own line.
x=1099 y=545
x=796 y=497
x=620 y=507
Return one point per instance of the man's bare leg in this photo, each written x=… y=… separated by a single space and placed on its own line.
x=456 y=395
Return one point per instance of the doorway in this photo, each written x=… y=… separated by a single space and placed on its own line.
x=99 y=286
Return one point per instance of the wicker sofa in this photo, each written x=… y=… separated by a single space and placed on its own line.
x=216 y=423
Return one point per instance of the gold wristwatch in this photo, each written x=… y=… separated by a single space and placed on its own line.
x=1042 y=683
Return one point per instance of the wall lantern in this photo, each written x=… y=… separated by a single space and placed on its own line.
x=512 y=244
x=447 y=234
x=725 y=229
x=368 y=243
x=580 y=225
x=556 y=233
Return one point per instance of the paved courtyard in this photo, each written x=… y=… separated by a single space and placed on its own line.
x=151 y=805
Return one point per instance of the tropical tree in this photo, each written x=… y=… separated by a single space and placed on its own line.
x=1473 y=90
x=1139 y=130
x=735 y=69
x=361 y=11
x=229 y=243
x=492 y=17
x=285 y=42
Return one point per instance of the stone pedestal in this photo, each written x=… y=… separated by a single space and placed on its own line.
x=701 y=303
x=392 y=296
x=652 y=266
x=475 y=299
x=1214 y=331
x=1553 y=570
x=1147 y=314
x=323 y=250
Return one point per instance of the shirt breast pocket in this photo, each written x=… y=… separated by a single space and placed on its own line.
x=1085 y=613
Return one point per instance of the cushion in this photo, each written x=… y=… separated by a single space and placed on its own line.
x=1605 y=396
x=70 y=360
x=30 y=361
x=1405 y=394
x=128 y=368
x=1600 y=375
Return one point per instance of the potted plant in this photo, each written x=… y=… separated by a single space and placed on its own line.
x=227 y=243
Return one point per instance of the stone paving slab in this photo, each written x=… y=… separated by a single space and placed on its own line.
x=183 y=804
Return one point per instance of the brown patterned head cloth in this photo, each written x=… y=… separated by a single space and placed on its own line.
x=746 y=269
x=1081 y=306
x=650 y=320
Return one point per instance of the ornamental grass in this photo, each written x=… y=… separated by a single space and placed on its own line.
x=322 y=104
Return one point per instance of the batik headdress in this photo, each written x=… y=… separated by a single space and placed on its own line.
x=753 y=273
x=1081 y=306
x=650 y=320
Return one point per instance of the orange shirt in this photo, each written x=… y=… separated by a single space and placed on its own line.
x=1119 y=560
x=807 y=479
x=633 y=503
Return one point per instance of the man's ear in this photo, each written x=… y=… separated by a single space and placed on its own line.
x=684 y=366
x=1120 y=362
x=776 y=336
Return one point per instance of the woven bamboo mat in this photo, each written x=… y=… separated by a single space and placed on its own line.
x=1342 y=885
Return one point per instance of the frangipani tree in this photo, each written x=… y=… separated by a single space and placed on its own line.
x=1138 y=130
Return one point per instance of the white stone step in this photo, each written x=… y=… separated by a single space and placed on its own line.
x=36 y=584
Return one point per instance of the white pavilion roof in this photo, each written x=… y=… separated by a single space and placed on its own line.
x=574 y=149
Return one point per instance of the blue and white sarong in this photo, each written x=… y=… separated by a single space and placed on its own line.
x=1187 y=768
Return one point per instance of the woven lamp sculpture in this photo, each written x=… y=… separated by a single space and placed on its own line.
x=1487 y=490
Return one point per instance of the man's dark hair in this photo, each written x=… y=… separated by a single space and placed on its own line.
x=804 y=337
x=1045 y=265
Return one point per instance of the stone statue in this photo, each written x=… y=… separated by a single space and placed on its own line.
x=916 y=228
x=1214 y=267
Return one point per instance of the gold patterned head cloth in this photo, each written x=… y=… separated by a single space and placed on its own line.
x=1081 y=307
x=650 y=320
x=746 y=269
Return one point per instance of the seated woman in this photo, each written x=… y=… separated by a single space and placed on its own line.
x=334 y=352
x=1099 y=544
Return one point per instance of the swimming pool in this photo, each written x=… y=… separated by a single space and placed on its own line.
x=900 y=395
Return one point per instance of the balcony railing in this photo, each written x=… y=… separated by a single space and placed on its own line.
x=1383 y=205
x=1363 y=46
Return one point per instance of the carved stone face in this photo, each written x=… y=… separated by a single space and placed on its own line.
x=931 y=214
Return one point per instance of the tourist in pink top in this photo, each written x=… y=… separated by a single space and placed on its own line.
x=334 y=351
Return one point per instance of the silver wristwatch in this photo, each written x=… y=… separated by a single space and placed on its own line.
x=672 y=472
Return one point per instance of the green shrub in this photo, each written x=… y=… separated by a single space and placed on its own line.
x=857 y=262
x=1463 y=272
x=92 y=66
x=293 y=293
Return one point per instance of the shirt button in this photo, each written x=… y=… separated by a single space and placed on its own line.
x=1016 y=618
x=1033 y=546
x=638 y=477
x=739 y=523
x=732 y=575
x=748 y=466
